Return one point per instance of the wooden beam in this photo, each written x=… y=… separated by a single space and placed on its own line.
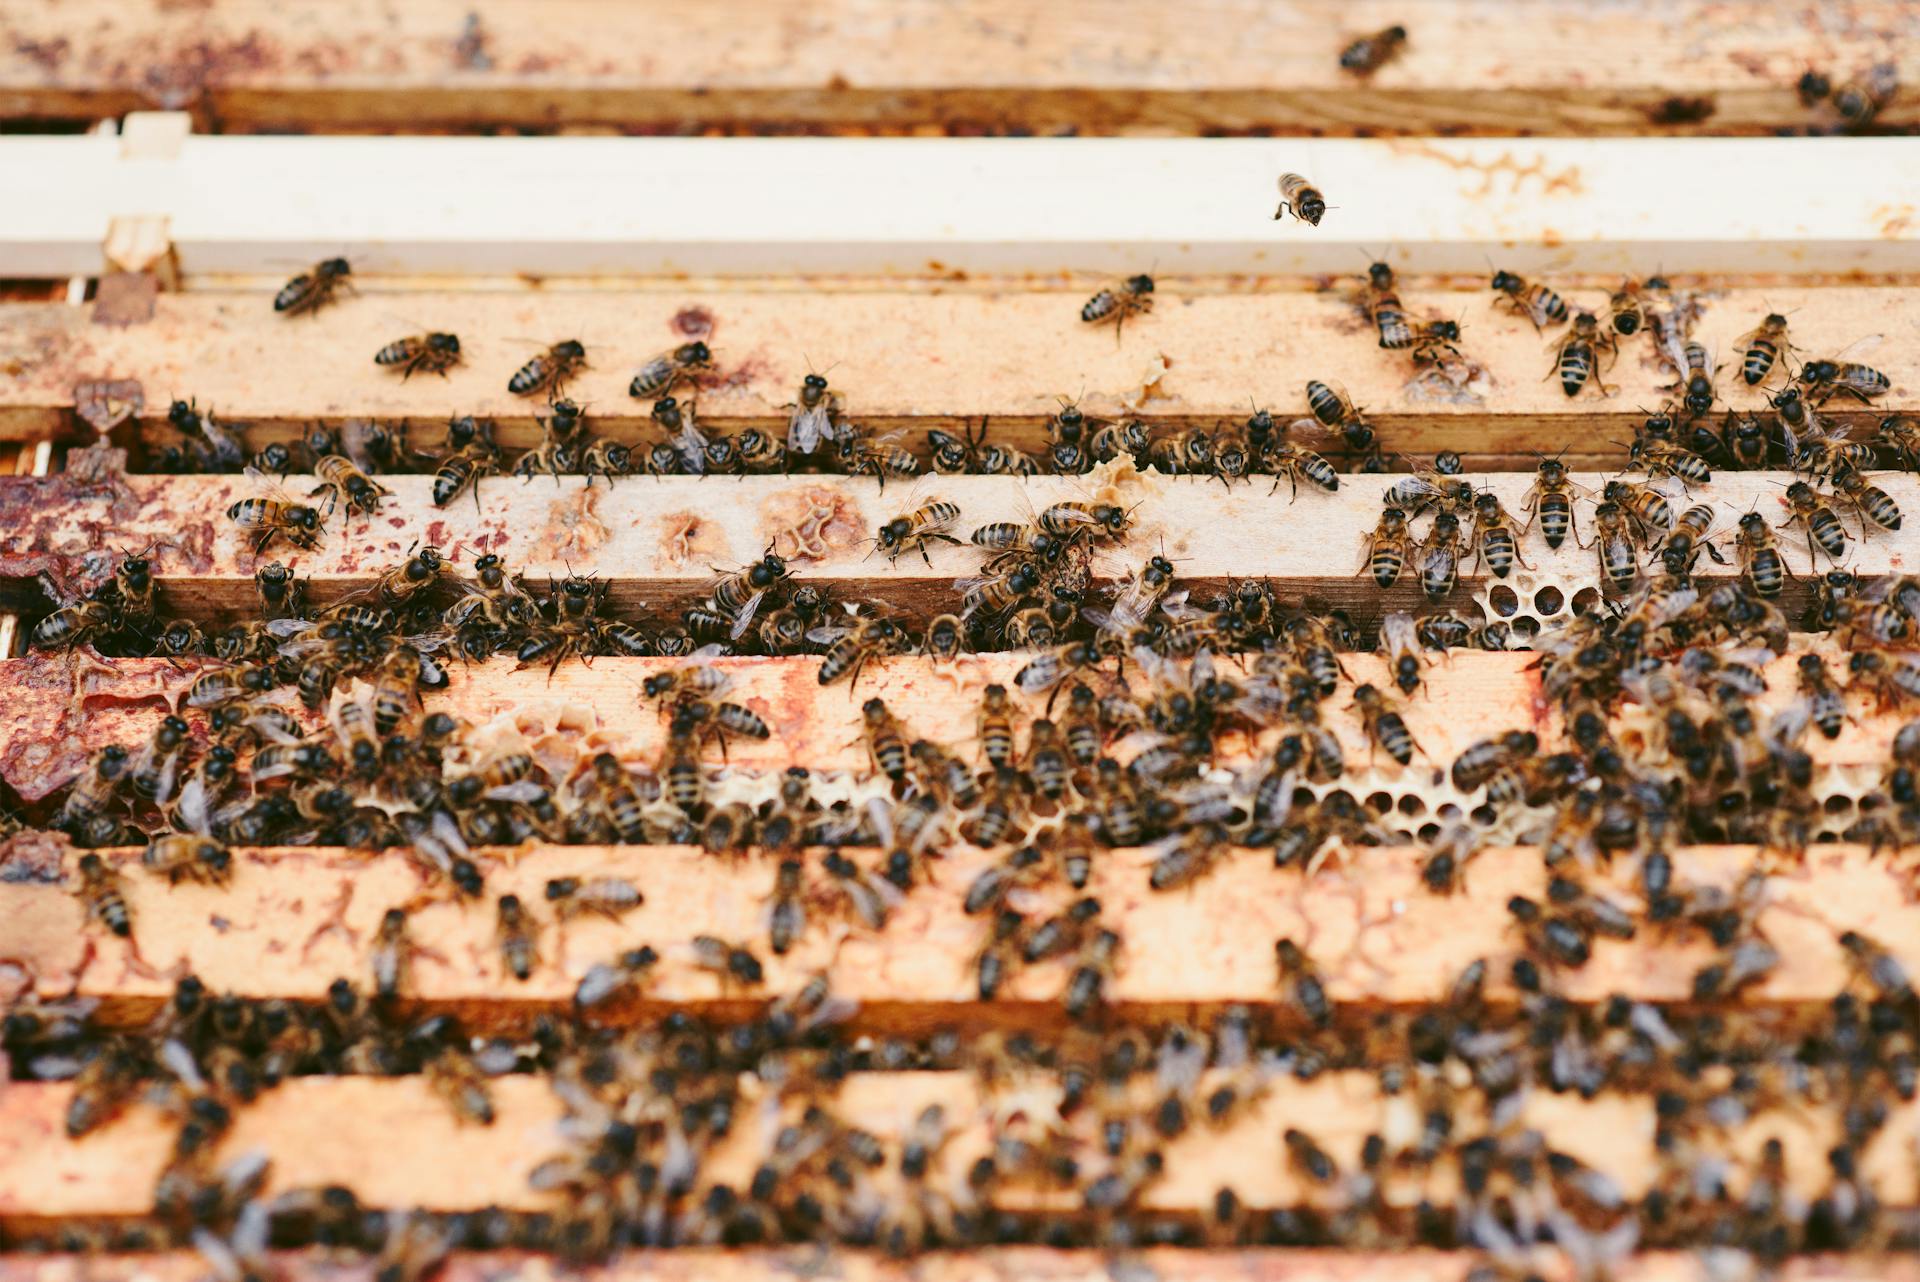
x=657 y=542
x=321 y=1131
x=911 y=361
x=993 y=1264
x=691 y=205
x=292 y=921
x=1640 y=67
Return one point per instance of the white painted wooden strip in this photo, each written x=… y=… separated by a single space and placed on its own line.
x=552 y=206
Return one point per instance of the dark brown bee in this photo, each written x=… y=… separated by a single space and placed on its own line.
x=1535 y=302
x=265 y=518
x=609 y=897
x=1870 y=501
x=1494 y=540
x=1189 y=452
x=1110 y=441
x=606 y=980
x=1625 y=311
x=1400 y=644
x=1118 y=301
x=1899 y=435
x=100 y=891
x=550 y=371
x=1761 y=347
x=928 y=523
x=787 y=917
x=1760 y=560
x=1369 y=53
x=1824 y=379
x=1385 y=727
x=1810 y=508
x=1094 y=966
x=514 y=930
x=1301 y=199
x=1439 y=556
x=1860 y=100
x=1746 y=440
x=1330 y=403
x=1613 y=541
x=1826 y=706
x=434 y=353
x=733 y=962
x=311 y=290
x=946 y=636
x=659 y=375
x=183 y=855
x=1294 y=463
x=1305 y=991
x=738 y=593
x=1698 y=380
x=1551 y=501
x=1576 y=357
x=1384 y=309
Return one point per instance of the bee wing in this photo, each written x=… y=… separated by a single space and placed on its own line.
x=272 y=487
x=1859 y=348
x=741 y=624
x=828 y=633
x=1397 y=633
x=692 y=444
x=526 y=790
x=808 y=428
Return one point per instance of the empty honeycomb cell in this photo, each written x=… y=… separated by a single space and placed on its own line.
x=1585 y=599
x=1448 y=810
x=1503 y=600
x=1411 y=806
x=1428 y=831
x=1839 y=804
x=1380 y=803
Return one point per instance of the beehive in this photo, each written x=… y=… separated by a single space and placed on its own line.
x=936 y=281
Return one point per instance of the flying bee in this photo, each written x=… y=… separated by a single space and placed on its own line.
x=1760 y=561
x=434 y=353
x=182 y=855
x=264 y=518
x=660 y=374
x=1761 y=348
x=1296 y=463
x=1384 y=310
x=101 y=892
x=1695 y=382
x=550 y=371
x=1118 y=301
x=342 y=482
x=1439 y=556
x=314 y=288
x=1810 y=508
x=1385 y=727
x=1369 y=53
x=1647 y=506
x=1330 y=403
x=1869 y=501
x=1576 y=357
x=1824 y=379
x=1613 y=542
x=1535 y=302
x=1625 y=310
x=928 y=523
x=1301 y=199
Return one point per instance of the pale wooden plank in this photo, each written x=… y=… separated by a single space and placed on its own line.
x=1134 y=66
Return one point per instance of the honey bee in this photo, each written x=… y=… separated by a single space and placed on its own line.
x=737 y=594
x=72 y=626
x=993 y=725
x=1810 y=508
x=688 y=443
x=1860 y=100
x=1576 y=357
x=1046 y=670
x=787 y=916
x=605 y=981
x=1109 y=441
x=1824 y=379
x=1368 y=54
x=733 y=962
x=659 y=375
x=156 y=770
x=342 y=482
x=1189 y=452
x=1330 y=403
x=1696 y=379
x=1439 y=556
x=1647 y=506
x=101 y=892
x=1761 y=347
x=1626 y=312
x=1663 y=458
x=1760 y=561
x=1493 y=537
x=264 y=518
x=1613 y=542
x=550 y=371
x=435 y=353
x=1535 y=302
x=183 y=855
x=1386 y=729
x=1295 y=463
x=313 y=289
x=1301 y=199
x=1384 y=310
x=1401 y=647
x=850 y=649
x=1899 y=435
x=1093 y=968
x=1118 y=301
x=1100 y=517
x=1306 y=992
x=811 y=423
x=913 y=531
x=609 y=897
x=1869 y=501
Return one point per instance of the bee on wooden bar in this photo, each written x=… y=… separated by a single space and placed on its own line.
x=1494 y=540
x=178 y=856
x=1387 y=547
x=1400 y=645
x=1696 y=379
x=1647 y=506
x=605 y=981
x=1762 y=347
x=1613 y=543
x=1536 y=302
x=1369 y=53
x=266 y=518
x=1330 y=403
x=550 y=371
x=1439 y=556
x=1118 y=301
x=1576 y=357
x=432 y=353
x=1869 y=501
x=1824 y=379
x=810 y=425
x=609 y=897
x=850 y=649
x=733 y=962
x=928 y=523
x=313 y=289
x=1860 y=100
x=342 y=482
x=1294 y=463
x=1385 y=727
x=1899 y=435
x=1383 y=308
x=1626 y=313
x=1663 y=458
x=1760 y=561
x=1810 y=508
x=100 y=891
x=659 y=375
x=514 y=931
x=1301 y=199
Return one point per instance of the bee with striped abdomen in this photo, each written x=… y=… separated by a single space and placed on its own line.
x=342 y=482
x=660 y=374
x=1577 y=359
x=1387 y=547
x=1301 y=199
x=1494 y=540
x=1386 y=729
x=1870 y=501
x=1368 y=54
x=550 y=371
x=1625 y=311
x=434 y=353
x=1825 y=379
x=1760 y=561
x=1534 y=301
x=1810 y=508
x=314 y=288
x=1762 y=347
x=1119 y=300
x=1384 y=310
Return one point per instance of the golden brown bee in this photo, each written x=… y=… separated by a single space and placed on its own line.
x=100 y=890
x=514 y=930
x=1294 y=463
x=265 y=518
x=395 y=687
x=178 y=855
x=1368 y=54
x=73 y=626
x=1810 y=508
x=1761 y=348
x=1116 y=302
x=550 y=371
x=281 y=595
x=1535 y=302
x=1760 y=560
x=435 y=353
x=1647 y=506
x=1330 y=403
x=1400 y=645
x=1187 y=452
x=946 y=637
x=1384 y=309
x=1305 y=990
x=1696 y=379
x=1613 y=542
x=311 y=290
x=659 y=375
x=1387 y=547
x=928 y=523
x=1439 y=556
x=993 y=725
x=1625 y=311
x=1301 y=199
x=1046 y=670
x=737 y=594
x=342 y=482
x=1663 y=458
x=1576 y=357
x=850 y=649
x=1494 y=540
x=1899 y=435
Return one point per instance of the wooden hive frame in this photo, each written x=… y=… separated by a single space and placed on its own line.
x=938 y=286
